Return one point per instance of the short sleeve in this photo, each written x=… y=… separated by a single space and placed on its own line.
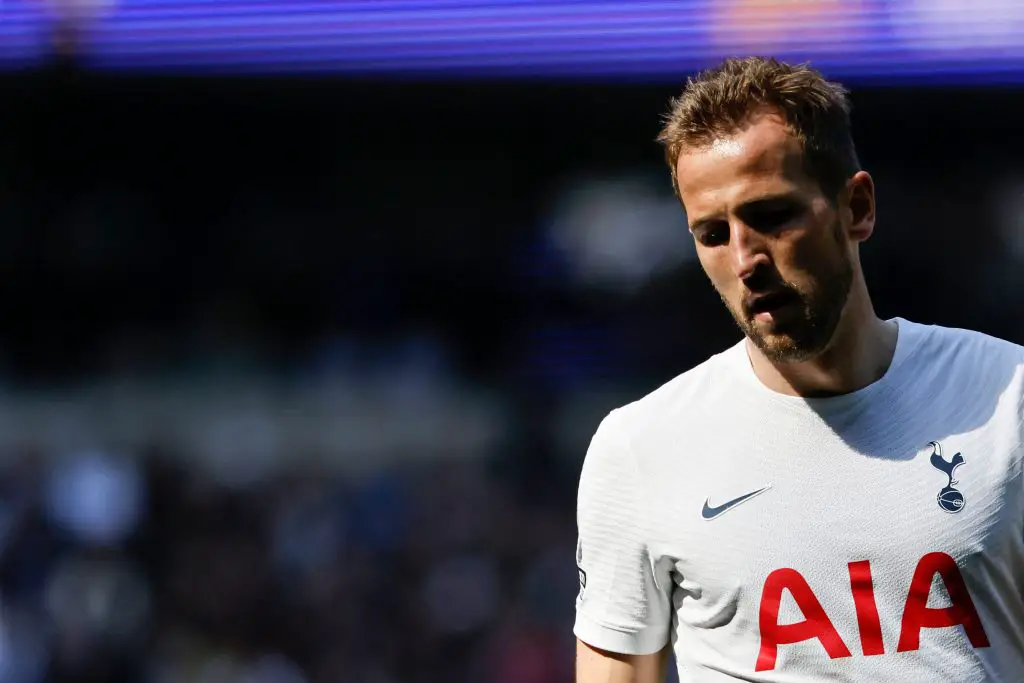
x=624 y=604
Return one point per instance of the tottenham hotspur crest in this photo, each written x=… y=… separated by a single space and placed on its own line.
x=950 y=500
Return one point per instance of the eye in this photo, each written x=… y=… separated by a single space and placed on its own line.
x=773 y=217
x=712 y=235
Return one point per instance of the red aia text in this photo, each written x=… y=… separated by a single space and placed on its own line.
x=916 y=613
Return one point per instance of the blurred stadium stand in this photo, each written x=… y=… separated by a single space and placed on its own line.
x=296 y=374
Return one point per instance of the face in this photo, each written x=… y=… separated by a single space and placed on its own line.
x=778 y=251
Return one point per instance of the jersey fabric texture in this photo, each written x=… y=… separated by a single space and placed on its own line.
x=874 y=536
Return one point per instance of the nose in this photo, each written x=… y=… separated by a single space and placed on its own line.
x=748 y=247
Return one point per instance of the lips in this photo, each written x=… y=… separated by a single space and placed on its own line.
x=766 y=303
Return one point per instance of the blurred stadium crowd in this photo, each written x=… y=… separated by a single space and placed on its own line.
x=114 y=571
x=297 y=377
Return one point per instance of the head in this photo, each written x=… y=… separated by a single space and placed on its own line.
x=764 y=164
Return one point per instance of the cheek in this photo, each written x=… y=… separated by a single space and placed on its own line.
x=808 y=253
x=717 y=271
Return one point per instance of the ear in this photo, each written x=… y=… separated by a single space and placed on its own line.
x=860 y=206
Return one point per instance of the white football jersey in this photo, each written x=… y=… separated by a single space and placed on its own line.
x=875 y=536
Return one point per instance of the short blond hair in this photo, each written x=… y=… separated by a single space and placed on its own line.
x=721 y=100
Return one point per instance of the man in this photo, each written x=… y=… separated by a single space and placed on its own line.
x=837 y=497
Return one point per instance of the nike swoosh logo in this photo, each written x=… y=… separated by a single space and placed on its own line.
x=710 y=513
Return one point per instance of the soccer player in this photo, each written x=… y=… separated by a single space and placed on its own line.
x=836 y=497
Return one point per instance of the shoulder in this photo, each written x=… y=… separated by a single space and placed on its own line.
x=972 y=366
x=965 y=349
x=632 y=442
x=683 y=399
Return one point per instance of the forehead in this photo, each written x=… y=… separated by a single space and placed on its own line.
x=761 y=160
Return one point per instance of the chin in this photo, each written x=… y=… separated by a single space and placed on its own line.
x=780 y=347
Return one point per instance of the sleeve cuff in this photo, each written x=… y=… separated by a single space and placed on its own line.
x=646 y=642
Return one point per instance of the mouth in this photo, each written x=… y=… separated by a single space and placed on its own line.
x=766 y=307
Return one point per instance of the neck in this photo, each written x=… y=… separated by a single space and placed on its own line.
x=859 y=354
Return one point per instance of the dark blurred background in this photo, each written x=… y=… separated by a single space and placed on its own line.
x=297 y=372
